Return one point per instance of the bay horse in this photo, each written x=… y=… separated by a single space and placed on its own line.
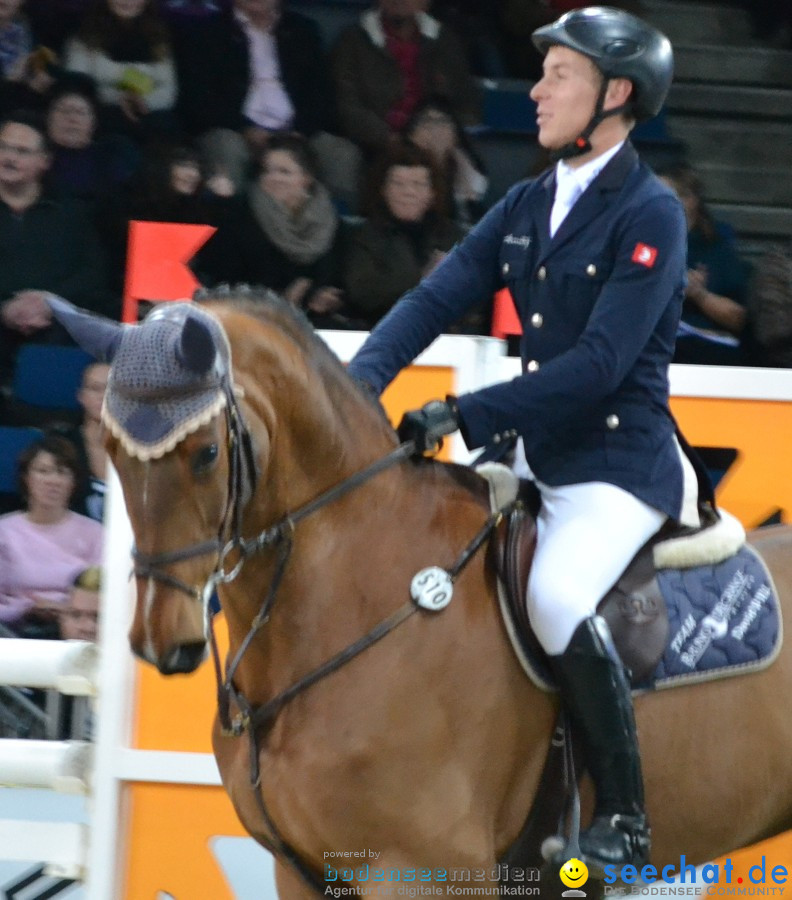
x=425 y=748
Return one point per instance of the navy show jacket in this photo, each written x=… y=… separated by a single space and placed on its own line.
x=599 y=304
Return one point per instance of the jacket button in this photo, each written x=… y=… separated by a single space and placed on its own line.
x=532 y=366
x=506 y=268
x=591 y=269
x=496 y=439
x=612 y=421
x=537 y=320
x=542 y=273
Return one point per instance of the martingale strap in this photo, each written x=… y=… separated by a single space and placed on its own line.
x=252 y=719
x=280 y=536
x=263 y=715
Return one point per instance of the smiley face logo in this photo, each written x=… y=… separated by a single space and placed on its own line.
x=574 y=873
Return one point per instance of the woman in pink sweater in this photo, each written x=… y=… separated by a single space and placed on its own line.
x=43 y=547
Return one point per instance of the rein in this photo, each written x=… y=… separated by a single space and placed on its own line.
x=251 y=719
x=242 y=482
x=280 y=536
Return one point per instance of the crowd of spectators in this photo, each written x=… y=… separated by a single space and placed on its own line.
x=231 y=113
x=237 y=114
x=51 y=547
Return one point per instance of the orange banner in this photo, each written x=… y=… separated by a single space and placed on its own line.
x=505 y=321
x=157 y=257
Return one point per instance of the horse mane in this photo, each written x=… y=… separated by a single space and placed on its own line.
x=267 y=306
x=465 y=476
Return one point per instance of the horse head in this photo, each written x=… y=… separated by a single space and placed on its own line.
x=170 y=383
x=182 y=443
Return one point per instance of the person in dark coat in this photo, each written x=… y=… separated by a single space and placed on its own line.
x=714 y=315
x=254 y=71
x=406 y=234
x=216 y=69
x=282 y=232
x=393 y=59
x=47 y=244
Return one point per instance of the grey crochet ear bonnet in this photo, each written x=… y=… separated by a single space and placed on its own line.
x=170 y=374
x=167 y=380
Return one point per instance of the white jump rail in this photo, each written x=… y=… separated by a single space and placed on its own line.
x=63 y=766
x=69 y=667
x=63 y=844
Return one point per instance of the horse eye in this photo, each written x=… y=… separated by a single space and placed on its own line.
x=204 y=459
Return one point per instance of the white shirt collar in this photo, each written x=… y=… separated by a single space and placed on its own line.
x=586 y=173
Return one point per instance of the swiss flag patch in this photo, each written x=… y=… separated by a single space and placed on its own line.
x=645 y=255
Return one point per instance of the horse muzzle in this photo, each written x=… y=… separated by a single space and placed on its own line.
x=179 y=659
x=168 y=630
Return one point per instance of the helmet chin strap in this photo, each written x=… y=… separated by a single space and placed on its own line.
x=582 y=144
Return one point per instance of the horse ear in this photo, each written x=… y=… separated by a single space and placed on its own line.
x=196 y=350
x=95 y=334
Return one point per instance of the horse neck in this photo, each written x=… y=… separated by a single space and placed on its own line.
x=325 y=597
x=311 y=429
x=313 y=445
x=311 y=450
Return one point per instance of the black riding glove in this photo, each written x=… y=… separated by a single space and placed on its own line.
x=427 y=426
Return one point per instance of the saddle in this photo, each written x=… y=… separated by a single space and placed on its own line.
x=634 y=608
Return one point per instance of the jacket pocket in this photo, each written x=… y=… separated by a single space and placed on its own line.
x=582 y=279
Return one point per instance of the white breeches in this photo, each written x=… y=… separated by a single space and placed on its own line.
x=586 y=535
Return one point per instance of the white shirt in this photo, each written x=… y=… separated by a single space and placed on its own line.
x=267 y=103
x=570 y=184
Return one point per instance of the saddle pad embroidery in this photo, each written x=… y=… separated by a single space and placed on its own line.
x=724 y=619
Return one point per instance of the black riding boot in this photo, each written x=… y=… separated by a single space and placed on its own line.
x=596 y=692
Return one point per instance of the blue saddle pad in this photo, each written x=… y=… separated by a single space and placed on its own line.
x=724 y=619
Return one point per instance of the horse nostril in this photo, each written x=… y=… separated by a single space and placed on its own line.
x=184 y=658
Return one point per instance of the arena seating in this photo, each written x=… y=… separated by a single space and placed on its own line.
x=13 y=441
x=45 y=384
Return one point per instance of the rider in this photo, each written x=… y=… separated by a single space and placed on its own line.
x=593 y=252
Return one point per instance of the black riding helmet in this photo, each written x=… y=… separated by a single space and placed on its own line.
x=621 y=46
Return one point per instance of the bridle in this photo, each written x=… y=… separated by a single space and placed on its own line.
x=242 y=482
